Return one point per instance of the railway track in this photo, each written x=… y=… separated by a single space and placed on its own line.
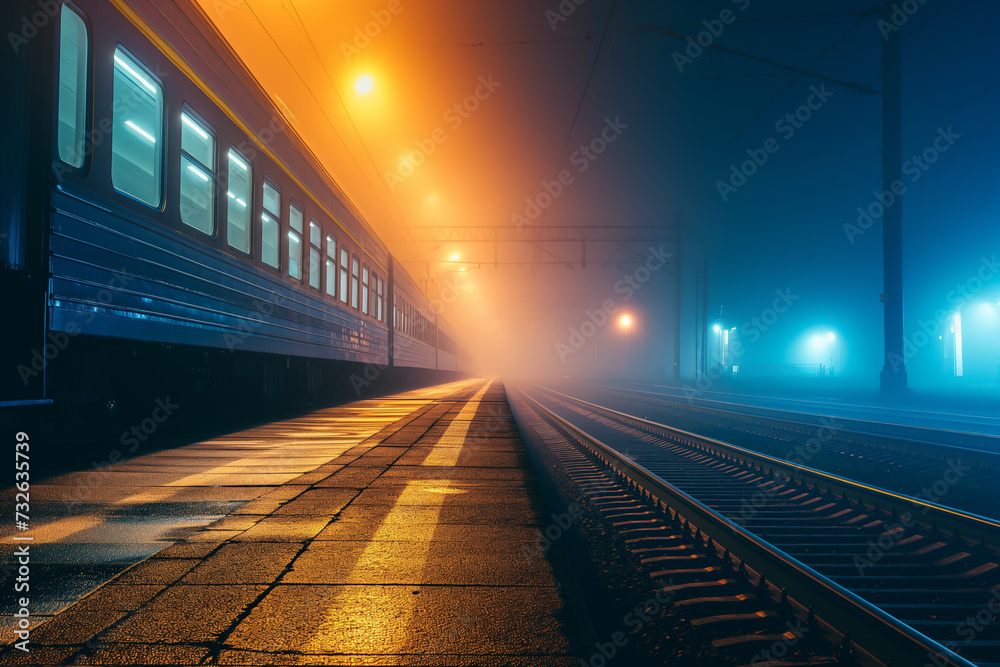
x=894 y=579
x=888 y=416
x=869 y=451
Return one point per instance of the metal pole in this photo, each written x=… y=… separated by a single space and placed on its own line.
x=704 y=316
x=893 y=377
x=677 y=300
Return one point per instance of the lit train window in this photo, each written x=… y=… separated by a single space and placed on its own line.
x=73 y=56
x=344 y=259
x=315 y=234
x=365 y=287
x=295 y=222
x=137 y=135
x=379 y=297
x=355 y=264
x=238 y=217
x=197 y=175
x=270 y=226
x=331 y=266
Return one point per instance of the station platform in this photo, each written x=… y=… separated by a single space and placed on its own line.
x=384 y=532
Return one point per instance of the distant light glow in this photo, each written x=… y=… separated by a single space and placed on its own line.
x=830 y=337
x=454 y=258
x=625 y=321
x=364 y=84
x=957 y=328
x=716 y=328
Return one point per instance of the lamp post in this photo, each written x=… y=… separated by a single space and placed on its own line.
x=625 y=323
x=825 y=342
x=717 y=328
x=831 y=338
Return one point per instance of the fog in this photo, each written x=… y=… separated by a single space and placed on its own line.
x=528 y=163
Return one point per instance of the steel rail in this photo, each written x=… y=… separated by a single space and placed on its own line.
x=851 y=430
x=875 y=637
x=979 y=529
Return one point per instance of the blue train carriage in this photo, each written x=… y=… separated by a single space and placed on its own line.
x=163 y=230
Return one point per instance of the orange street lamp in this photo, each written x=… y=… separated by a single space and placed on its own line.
x=364 y=84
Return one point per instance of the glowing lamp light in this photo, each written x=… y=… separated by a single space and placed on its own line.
x=716 y=328
x=364 y=85
x=625 y=321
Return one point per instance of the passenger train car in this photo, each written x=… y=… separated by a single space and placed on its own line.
x=163 y=230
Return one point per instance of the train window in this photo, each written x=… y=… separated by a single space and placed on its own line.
x=315 y=234
x=74 y=47
x=295 y=223
x=270 y=226
x=379 y=298
x=197 y=175
x=136 y=141
x=355 y=264
x=365 y=288
x=238 y=218
x=331 y=266
x=344 y=259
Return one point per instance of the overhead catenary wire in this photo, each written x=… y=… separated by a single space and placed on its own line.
x=319 y=104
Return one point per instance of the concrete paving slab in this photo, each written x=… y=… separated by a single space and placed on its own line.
x=390 y=531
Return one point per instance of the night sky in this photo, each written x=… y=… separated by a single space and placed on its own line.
x=683 y=121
